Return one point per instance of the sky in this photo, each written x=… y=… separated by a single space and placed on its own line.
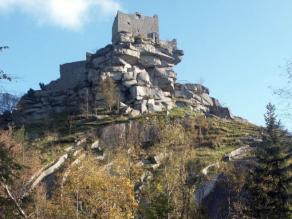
x=238 y=49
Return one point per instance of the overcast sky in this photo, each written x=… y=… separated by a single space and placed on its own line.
x=238 y=48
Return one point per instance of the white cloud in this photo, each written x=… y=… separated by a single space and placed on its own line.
x=71 y=14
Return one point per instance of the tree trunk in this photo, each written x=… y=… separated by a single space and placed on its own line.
x=17 y=205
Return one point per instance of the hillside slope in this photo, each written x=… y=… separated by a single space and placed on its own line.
x=160 y=163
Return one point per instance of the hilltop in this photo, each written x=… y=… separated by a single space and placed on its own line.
x=117 y=137
x=131 y=76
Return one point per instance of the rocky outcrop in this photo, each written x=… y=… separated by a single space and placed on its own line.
x=214 y=197
x=197 y=97
x=131 y=132
x=238 y=153
x=141 y=66
x=221 y=196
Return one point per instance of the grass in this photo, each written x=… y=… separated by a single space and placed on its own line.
x=219 y=137
x=180 y=112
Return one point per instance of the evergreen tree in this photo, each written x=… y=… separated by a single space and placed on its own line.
x=270 y=178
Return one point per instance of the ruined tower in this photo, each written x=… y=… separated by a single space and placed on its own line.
x=137 y=25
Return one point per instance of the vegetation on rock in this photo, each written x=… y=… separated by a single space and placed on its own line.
x=125 y=175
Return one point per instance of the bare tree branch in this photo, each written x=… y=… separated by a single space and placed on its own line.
x=9 y=194
x=4 y=76
x=3 y=47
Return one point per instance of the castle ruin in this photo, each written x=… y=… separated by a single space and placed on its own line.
x=137 y=25
x=138 y=61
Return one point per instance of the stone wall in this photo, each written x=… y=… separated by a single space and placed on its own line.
x=137 y=24
x=71 y=74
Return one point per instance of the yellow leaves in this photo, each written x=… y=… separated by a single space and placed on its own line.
x=100 y=193
x=159 y=188
x=173 y=135
x=124 y=164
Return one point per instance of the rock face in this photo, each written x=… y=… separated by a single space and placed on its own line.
x=197 y=97
x=142 y=68
x=137 y=60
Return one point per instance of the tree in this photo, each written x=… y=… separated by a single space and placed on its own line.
x=110 y=93
x=170 y=193
x=93 y=192
x=3 y=47
x=9 y=169
x=270 y=178
x=4 y=76
x=8 y=102
x=8 y=166
x=285 y=93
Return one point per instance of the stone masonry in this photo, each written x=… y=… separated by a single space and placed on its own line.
x=137 y=25
x=141 y=65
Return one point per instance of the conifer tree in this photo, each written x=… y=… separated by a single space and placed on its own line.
x=270 y=178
